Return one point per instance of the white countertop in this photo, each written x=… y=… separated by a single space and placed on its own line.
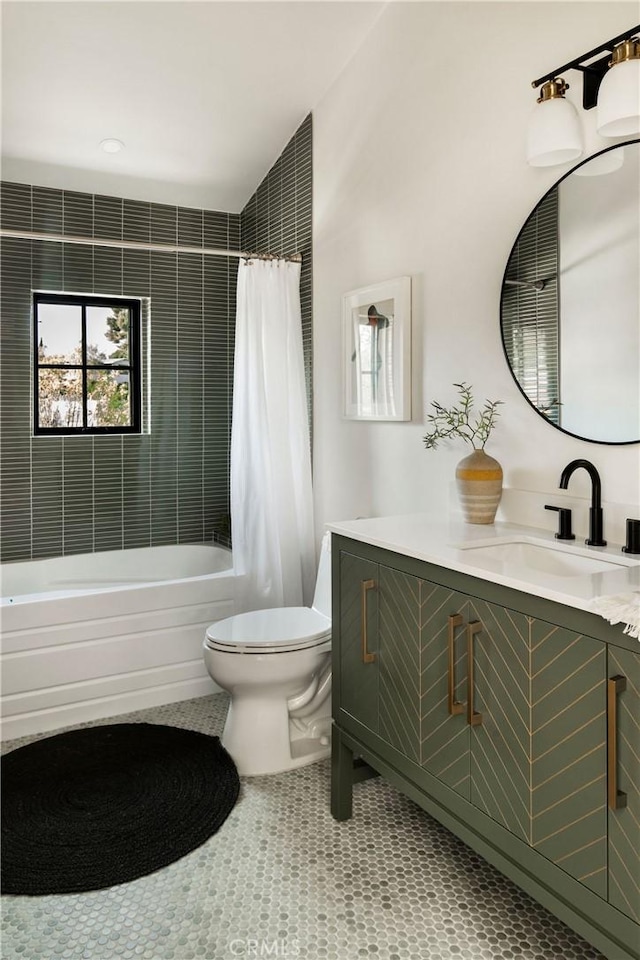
x=437 y=542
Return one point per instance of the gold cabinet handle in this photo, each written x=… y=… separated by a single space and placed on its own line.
x=455 y=706
x=365 y=586
x=615 y=798
x=473 y=719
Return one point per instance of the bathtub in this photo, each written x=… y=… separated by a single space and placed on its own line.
x=94 y=635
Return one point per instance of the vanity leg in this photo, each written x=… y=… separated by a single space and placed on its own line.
x=341 y=778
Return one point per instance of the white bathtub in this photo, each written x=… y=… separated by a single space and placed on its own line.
x=94 y=635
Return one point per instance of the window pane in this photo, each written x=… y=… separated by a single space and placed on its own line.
x=60 y=398
x=108 y=335
x=108 y=398
x=59 y=333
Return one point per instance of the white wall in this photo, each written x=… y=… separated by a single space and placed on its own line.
x=419 y=169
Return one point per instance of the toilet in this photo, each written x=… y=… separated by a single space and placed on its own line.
x=276 y=666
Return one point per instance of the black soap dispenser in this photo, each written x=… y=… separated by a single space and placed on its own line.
x=633 y=537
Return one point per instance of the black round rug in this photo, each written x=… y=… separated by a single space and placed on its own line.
x=91 y=808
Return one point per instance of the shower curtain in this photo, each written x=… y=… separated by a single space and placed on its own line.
x=271 y=499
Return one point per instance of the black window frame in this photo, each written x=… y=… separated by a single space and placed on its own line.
x=133 y=367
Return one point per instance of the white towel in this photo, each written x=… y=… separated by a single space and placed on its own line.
x=622 y=608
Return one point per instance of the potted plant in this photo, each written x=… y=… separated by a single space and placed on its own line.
x=478 y=476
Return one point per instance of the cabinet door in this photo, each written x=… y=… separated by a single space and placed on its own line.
x=624 y=747
x=399 y=660
x=568 y=752
x=500 y=737
x=538 y=752
x=359 y=676
x=444 y=732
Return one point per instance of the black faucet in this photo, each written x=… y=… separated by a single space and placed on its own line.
x=595 y=512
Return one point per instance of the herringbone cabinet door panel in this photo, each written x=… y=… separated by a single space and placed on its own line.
x=500 y=745
x=358 y=680
x=624 y=824
x=568 y=752
x=444 y=738
x=399 y=645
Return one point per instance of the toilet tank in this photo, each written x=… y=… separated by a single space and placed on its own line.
x=322 y=595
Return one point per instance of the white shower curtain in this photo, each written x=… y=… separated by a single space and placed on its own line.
x=271 y=499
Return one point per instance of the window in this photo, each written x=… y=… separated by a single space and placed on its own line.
x=86 y=364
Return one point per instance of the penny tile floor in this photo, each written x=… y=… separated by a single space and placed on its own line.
x=283 y=879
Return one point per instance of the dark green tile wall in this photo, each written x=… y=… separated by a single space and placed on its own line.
x=171 y=484
x=277 y=218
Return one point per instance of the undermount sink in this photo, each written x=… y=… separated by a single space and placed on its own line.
x=525 y=556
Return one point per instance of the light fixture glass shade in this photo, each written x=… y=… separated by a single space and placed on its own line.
x=601 y=164
x=554 y=135
x=619 y=100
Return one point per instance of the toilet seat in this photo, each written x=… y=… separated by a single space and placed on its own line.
x=277 y=630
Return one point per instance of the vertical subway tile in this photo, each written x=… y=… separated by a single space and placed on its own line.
x=107 y=270
x=78 y=494
x=78 y=268
x=190 y=227
x=136 y=273
x=108 y=218
x=108 y=493
x=77 y=210
x=15 y=206
x=136 y=491
x=216 y=229
x=163 y=224
x=47 y=496
x=47 y=267
x=47 y=210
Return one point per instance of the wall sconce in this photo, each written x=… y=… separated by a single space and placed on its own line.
x=554 y=134
x=612 y=82
x=619 y=94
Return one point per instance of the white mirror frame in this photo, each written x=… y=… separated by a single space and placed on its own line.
x=376 y=322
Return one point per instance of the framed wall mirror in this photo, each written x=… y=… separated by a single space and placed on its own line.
x=570 y=303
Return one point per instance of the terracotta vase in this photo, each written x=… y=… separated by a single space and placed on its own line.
x=479 y=482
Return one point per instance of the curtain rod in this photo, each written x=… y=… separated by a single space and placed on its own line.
x=136 y=245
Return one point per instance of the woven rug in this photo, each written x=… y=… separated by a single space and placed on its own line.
x=103 y=805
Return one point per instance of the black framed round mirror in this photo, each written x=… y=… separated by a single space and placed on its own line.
x=570 y=302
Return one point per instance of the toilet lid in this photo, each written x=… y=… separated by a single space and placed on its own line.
x=283 y=628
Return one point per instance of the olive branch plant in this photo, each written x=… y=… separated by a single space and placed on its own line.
x=456 y=421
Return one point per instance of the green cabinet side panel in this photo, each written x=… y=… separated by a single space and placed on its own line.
x=359 y=688
x=568 y=752
x=444 y=738
x=624 y=824
x=399 y=660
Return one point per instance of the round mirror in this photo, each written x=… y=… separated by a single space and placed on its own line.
x=570 y=305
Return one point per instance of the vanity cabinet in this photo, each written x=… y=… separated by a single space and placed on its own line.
x=500 y=714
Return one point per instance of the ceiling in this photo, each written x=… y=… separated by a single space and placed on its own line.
x=204 y=95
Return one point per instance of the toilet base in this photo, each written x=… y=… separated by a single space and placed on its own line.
x=262 y=739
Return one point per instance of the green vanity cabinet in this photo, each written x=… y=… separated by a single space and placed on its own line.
x=497 y=712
